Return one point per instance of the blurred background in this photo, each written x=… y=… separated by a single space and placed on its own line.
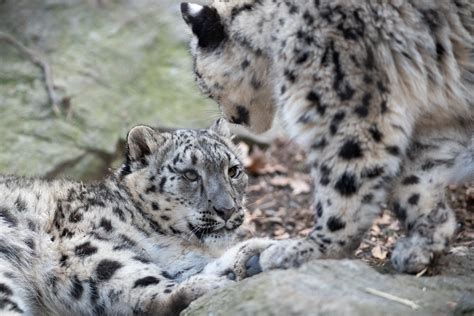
x=110 y=64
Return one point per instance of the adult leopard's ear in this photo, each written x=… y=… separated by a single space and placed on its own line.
x=221 y=127
x=205 y=23
x=142 y=141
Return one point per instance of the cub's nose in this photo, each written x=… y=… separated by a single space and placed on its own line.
x=224 y=213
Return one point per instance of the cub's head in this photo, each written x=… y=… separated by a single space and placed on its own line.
x=228 y=71
x=188 y=183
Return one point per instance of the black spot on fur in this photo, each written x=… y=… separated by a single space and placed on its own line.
x=243 y=116
x=8 y=217
x=124 y=243
x=105 y=224
x=319 y=209
x=106 y=269
x=117 y=211
x=399 y=211
x=325 y=173
x=150 y=189
x=431 y=18
x=63 y=260
x=410 y=180
x=383 y=106
x=375 y=133
x=440 y=51
x=414 y=198
x=315 y=100
x=335 y=223
x=75 y=217
x=30 y=243
x=336 y=120
x=428 y=165
x=350 y=150
x=85 y=249
x=5 y=290
x=290 y=75
x=366 y=199
x=168 y=276
x=347 y=184
x=155 y=206
x=393 y=150
x=77 y=289
x=141 y=259
x=207 y=26
x=146 y=281
x=319 y=144
x=302 y=58
x=94 y=291
x=372 y=172
x=20 y=205
x=11 y=306
x=245 y=64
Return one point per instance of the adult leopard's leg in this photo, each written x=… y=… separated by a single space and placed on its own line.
x=356 y=125
x=420 y=203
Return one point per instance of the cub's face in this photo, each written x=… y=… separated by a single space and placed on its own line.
x=189 y=183
x=234 y=76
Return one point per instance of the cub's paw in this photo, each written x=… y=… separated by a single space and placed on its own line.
x=411 y=255
x=199 y=285
x=287 y=254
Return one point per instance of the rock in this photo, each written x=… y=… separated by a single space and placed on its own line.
x=114 y=64
x=343 y=287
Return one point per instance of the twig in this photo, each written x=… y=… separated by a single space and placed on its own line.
x=391 y=297
x=421 y=273
x=38 y=61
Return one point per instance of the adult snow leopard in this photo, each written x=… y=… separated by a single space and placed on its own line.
x=379 y=92
x=149 y=239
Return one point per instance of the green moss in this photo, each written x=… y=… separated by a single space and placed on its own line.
x=119 y=66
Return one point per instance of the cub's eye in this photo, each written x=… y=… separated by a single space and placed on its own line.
x=191 y=175
x=234 y=172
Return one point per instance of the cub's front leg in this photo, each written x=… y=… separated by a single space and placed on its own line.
x=122 y=283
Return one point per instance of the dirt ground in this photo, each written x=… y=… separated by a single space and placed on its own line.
x=279 y=204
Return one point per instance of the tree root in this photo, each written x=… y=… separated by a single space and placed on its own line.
x=42 y=64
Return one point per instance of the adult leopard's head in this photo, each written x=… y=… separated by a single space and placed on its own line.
x=226 y=70
x=189 y=183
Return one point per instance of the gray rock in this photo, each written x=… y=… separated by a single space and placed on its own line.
x=344 y=287
x=115 y=64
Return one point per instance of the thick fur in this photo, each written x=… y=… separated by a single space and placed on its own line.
x=379 y=92
x=147 y=240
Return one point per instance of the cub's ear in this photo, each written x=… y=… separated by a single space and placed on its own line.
x=205 y=23
x=142 y=141
x=220 y=127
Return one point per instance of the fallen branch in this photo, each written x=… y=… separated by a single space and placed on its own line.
x=38 y=61
x=391 y=297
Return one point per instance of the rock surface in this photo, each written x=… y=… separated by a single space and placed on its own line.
x=345 y=287
x=114 y=64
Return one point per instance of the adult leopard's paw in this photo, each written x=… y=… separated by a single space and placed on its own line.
x=411 y=256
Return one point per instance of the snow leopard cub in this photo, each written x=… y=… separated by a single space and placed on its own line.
x=379 y=93
x=148 y=239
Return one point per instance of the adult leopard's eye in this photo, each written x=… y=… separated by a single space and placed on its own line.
x=191 y=175
x=234 y=172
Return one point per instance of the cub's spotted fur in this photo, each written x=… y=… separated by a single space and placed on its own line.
x=147 y=240
x=379 y=92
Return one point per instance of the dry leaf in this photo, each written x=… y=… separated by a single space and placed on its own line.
x=379 y=253
x=299 y=186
